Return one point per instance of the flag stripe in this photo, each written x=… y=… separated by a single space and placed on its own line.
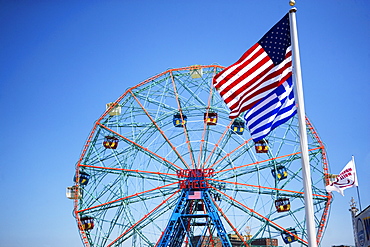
x=275 y=109
x=251 y=84
x=263 y=67
x=250 y=98
x=248 y=73
x=195 y=195
x=262 y=131
x=219 y=78
x=268 y=78
x=247 y=78
x=254 y=64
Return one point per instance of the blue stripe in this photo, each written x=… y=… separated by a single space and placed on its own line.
x=280 y=105
x=259 y=111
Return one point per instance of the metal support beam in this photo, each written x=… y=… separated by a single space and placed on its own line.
x=185 y=212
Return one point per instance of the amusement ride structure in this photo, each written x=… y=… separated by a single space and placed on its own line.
x=165 y=166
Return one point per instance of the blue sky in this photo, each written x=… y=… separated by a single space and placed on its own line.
x=62 y=61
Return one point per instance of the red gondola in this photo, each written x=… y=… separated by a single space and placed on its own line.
x=110 y=142
x=282 y=205
x=87 y=223
x=261 y=146
x=210 y=118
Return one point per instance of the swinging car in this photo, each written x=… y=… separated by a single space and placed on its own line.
x=115 y=111
x=282 y=205
x=87 y=223
x=82 y=179
x=261 y=146
x=196 y=71
x=178 y=120
x=289 y=238
x=73 y=192
x=210 y=118
x=238 y=127
x=110 y=142
x=280 y=172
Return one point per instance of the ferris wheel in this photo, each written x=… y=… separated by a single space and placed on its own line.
x=165 y=166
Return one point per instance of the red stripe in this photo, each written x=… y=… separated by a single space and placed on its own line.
x=259 y=92
x=242 y=77
x=251 y=84
x=241 y=66
x=244 y=91
x=238 y=109
x=247 y=87
x=241 y=59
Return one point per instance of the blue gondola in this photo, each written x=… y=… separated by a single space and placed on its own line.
x=289 y=238
x=83 y=178
x=238 y=127
x=280 y=172
x=179 y=121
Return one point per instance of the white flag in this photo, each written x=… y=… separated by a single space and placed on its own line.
x=347 y=178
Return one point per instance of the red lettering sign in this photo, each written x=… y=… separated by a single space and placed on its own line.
x=195 y=173
x=193 y=184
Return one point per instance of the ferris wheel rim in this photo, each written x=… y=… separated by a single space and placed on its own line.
x=99 y=124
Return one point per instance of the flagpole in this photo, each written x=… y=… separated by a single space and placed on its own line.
x=307 y=185
x=356 y=178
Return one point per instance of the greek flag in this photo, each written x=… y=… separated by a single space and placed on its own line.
x=271 y=111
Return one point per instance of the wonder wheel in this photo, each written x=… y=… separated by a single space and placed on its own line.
x=165 y=166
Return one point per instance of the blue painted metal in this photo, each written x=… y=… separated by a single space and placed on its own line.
x=178 y=225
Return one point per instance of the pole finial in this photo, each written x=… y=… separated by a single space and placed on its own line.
x=294 y=9
x=292 y=3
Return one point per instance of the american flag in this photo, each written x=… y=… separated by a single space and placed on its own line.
x=193 y=195
x=261 y=69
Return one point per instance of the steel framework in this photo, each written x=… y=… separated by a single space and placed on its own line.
x=166 y=165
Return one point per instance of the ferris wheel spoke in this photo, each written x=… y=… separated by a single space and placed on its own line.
x=269 y=190
x=161 y=105
x=292 y=213
x=103 y=235
x=259 y=216
x=179 y=107
x=259 y=162
x=217 y=146
x=159 y=176
x=143 y=149
x=117 y=201
x=206 y=127
x=138 y=226
x=145 y=217
x=227 y=155
x=194 y=95
x=114 y=188
x=284 y=136
x=160 y=130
